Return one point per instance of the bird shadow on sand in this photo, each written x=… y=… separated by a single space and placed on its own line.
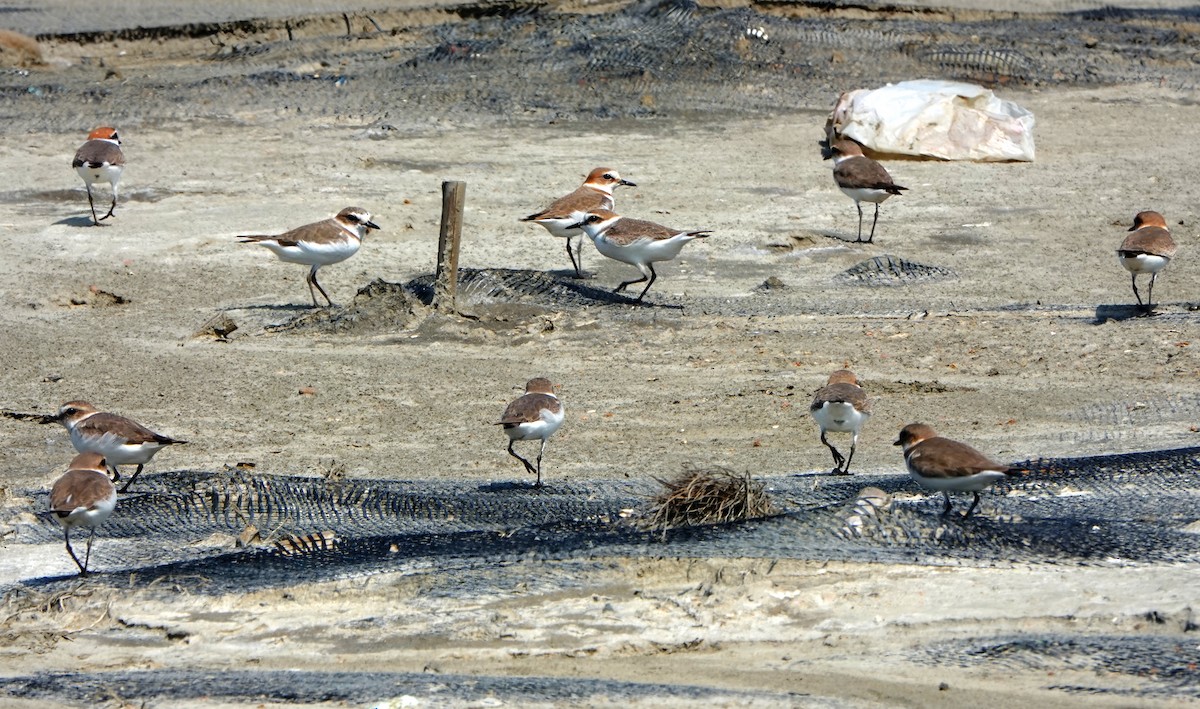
x=1123 y=311
x=838 y=236
x=588 y=285
x=570 y=275
x=664 y=306
x=277 y=308
x=514 y=486
x=822 y=473
x=77 y=222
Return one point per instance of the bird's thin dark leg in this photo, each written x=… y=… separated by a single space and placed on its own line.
x=858 y=206
x=972 y=507
x=871 y=238
x=1150 y=292
x=312 y=281
x=67 y=537
x=853 y=445
x=578 y=257
x=311 y=293
x=113 y=206
x=946 y=509
x=528 y=466
x=92 y=204
x=1135 y=290
x=838 y=458
x=87 y=557
x=626 y=284
x=575 y=264
x=541 y=452
x=653 y=277
x=132 y=478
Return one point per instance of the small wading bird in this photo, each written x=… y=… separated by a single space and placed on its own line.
x=535 y=415
x=320 y=244
x=559 y=218
x=861 y=179
x=120 y=441
x=938 y=463
x=635 y=242
x=100 y=160
x=83 y=497
x=841 y=406
x=1147 y=250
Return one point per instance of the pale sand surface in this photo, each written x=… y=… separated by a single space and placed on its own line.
x=644 y=395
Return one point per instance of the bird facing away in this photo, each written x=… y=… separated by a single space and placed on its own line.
x=559 y=218
x=320 y=244
x=636 y=242
x=83 y=497
x=1147 y=250
x=536 y=414
x=861 y=179
x=938 y=463
x=841 y=406
x=120 y=441
x=100 y=160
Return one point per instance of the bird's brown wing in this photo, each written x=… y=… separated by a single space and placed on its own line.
x=1151 y=240
x=96 y=153
x=528 y=408
x=952 y=459
x=131 y=431
x=842 y=392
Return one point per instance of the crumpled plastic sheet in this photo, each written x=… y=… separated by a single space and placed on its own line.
x=948 y=120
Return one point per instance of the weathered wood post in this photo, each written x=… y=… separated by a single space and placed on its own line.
x=445 y=281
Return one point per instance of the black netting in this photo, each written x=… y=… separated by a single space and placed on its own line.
x=1131 y=508
x=296 y=687
x=500 y=61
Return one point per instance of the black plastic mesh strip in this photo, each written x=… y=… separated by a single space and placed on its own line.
x=357 y=687
x=1131 y=508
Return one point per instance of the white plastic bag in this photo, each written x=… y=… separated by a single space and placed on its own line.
x=941 y=119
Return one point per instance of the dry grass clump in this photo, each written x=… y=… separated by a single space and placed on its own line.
x=707 y=496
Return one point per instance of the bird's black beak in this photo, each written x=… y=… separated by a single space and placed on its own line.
x=898 y=442
x=577 y=225
x=1132 y=228
x=627 y=183
x=371 y=225
x=47 y=418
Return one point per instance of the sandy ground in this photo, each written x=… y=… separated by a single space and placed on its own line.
x=1019 y=383
x=1068 y=373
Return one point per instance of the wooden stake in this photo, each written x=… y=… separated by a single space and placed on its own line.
x=445 y=282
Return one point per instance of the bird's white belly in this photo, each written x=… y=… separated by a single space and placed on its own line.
x=1143 y=263
x=557 y=226
x=114 y=448
x=966 y=483
x=533 y=430
x=105 y=173
x=84 y=517
x=840 y=417
x=643 y=250
x=314 y=254
x=865 y=194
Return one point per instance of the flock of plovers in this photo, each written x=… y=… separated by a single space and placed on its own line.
x=85 y=496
